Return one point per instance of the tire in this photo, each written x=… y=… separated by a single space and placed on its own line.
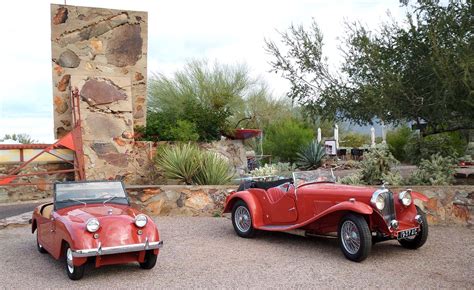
x=355 y=239
x=242 y=220
x=150 y=260
x=421 y=237
x=39 y=246
x=73 y=272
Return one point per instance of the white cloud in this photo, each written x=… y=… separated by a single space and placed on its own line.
x=225 y=31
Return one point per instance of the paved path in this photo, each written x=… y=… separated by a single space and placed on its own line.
x=205 y=252
x=13 y=209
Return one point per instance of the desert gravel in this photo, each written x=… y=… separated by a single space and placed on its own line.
x=205 y=253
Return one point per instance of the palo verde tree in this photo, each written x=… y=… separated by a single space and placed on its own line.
x=420 y=71
x=198 y=101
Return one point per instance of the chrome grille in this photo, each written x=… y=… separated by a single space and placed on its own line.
x=388 y=211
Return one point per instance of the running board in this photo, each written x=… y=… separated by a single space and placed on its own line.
x=303 y=233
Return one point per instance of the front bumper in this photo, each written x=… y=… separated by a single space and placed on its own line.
x=99 y=251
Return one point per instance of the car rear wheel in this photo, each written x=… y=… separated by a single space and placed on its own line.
x=38 y=245
x=421 y=237
x=354 y=237
x=150 y=260
x=73 y=272
x=242 y=220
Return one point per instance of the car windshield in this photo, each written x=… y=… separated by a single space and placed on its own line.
x=90 y=192
x=313 y=176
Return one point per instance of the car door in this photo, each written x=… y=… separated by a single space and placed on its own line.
x=283 y=206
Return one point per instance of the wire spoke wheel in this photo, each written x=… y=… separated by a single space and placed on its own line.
x=242 y=219
x=350 y=237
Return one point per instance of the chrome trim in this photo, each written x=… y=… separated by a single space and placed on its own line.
x=418 y=219
x=394 y=224
x=402 y=194
x=117 y=249
x=376 y=194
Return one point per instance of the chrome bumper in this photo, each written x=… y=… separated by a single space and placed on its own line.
x=117 y=249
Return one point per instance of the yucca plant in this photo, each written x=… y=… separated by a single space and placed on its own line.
x=311 y=156
x=213 y=170
x=180 y=162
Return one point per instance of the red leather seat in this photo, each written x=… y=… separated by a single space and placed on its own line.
x=275 y=194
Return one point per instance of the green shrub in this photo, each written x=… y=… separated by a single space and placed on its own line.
x=311 y=156
x=184 y=131
x=180 y=161
x=375 y=168
x=282 y=139
x=191 y=165
x=213 y=170
x=280 y=169
x=377 y=162
x=352 y=179
x=437 y=170
x=397 y=141
x=393 y=178
x=354 y=140
x=450 y=144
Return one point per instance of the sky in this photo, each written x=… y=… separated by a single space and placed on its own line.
x=229 y=32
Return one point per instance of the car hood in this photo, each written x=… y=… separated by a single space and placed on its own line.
x=337 y=189
x=108 y=211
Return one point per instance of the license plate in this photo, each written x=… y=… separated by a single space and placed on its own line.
x=407 y=233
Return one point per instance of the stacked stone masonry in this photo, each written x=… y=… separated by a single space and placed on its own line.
x=105 y=48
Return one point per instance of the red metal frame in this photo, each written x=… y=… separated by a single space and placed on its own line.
x=72 y=141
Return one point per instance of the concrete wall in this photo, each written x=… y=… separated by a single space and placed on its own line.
x=104 y=45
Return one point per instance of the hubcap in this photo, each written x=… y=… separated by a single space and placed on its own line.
x=242 y=219
x=350 y=237
x=69 y=260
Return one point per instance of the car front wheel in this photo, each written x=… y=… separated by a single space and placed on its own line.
x=354 y=237
x=421 y=237
x=242 y=220
x=150 y=260
x=73 y=272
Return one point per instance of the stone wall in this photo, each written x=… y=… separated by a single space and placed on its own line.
x=178 y=200
x=105 y=49
x=447 y=205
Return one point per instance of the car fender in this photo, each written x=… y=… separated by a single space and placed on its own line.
x=252 y=203
x=354 y=206
x=419 y=196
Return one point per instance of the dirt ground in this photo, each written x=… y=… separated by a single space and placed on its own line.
x=206 y=253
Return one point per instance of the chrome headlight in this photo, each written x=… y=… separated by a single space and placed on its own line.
x=378 y=200
x=92 y=225
x=141 y=220
x=405 y=197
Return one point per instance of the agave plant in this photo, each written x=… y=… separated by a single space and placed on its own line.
x=311 y=156
x=213 y=170
x=179 y=162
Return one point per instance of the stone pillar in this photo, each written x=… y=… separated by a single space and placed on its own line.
x=97 y=43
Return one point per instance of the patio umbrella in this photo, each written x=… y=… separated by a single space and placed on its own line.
x=372 y=136
x=319 y=135
x=336 y=135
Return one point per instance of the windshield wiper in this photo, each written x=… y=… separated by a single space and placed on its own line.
x=73 y=199
x=109 y=199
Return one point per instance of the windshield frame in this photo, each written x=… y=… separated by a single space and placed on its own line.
x=66 y=203
x=297 y=185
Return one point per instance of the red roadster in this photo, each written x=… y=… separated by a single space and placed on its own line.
x=312 y=204
x=93 y=220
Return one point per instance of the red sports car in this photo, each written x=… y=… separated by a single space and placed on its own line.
x=311 y=203
x=93 y=220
